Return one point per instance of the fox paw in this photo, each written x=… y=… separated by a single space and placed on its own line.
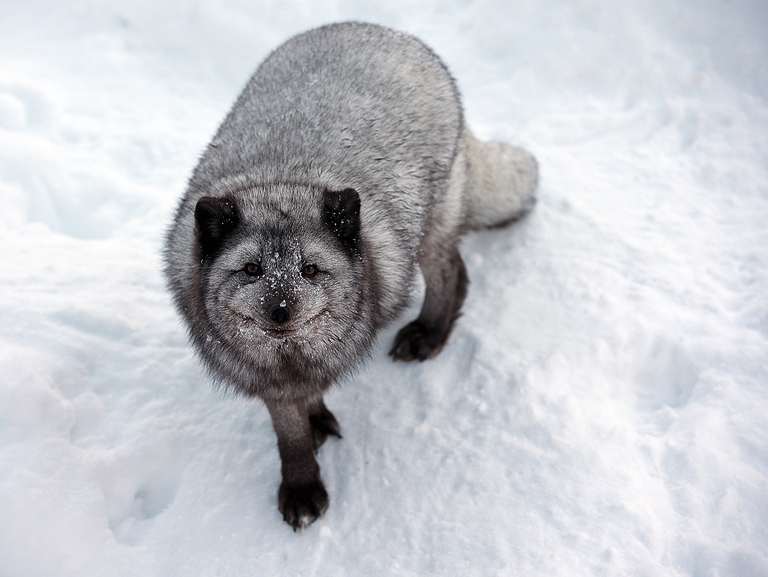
x=415 y=341
x=301 y=505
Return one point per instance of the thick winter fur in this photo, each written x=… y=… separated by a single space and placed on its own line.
x=344 y=163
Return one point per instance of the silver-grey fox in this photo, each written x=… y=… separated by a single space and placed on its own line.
x=344 y=163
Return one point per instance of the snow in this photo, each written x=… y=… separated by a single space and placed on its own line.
x=601 y=406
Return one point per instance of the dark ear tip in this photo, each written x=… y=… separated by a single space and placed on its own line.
x=210 y=205
x=204 y=202
x=349 y=194
x=346 y=200
x=342 y=198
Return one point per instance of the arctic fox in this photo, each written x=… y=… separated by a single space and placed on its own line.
x=344 y=163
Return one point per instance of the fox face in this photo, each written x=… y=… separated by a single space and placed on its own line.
x=281 y=271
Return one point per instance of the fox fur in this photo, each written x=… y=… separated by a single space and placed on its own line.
x=343 y=166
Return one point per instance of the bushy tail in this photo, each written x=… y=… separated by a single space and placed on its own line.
x=501 y=182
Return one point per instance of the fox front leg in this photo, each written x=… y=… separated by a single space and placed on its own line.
x=302 y=497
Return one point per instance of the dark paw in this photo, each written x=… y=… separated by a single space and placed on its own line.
x=417 y=342
x=302 y=504
x=323 y=424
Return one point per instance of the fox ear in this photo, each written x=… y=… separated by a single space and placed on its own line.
x=341 y=212
x=215 y=219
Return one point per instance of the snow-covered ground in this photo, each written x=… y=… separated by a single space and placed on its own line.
x=602 y=407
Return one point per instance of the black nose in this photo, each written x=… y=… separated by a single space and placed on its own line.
x=280 y=315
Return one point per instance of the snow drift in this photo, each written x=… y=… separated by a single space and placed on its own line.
x=600 y=408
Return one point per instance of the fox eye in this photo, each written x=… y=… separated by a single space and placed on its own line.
x=252 y=269
x=309 y=270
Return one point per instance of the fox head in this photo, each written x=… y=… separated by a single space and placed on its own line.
x=281 y=268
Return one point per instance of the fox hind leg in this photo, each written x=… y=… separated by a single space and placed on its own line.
x=446 y=280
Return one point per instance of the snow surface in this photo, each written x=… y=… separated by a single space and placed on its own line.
x=601 y=408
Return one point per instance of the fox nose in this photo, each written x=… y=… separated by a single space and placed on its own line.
x=280 y=315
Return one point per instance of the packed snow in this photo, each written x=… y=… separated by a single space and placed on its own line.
x=601 y=408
